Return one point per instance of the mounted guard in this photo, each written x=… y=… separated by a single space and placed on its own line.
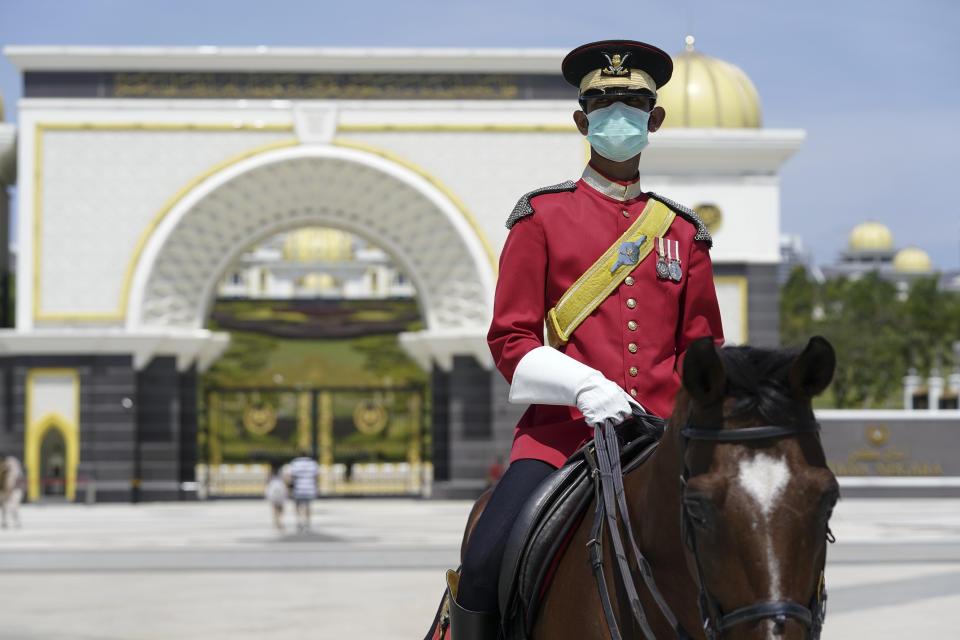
x=623 y=281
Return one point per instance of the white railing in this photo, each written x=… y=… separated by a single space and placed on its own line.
x=376 y=478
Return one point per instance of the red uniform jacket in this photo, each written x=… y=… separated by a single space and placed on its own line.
x=636 y=337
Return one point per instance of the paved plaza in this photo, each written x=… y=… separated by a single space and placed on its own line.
x=372 y=569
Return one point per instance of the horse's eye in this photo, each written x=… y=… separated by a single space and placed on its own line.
x=827 y=502
x=698 y=509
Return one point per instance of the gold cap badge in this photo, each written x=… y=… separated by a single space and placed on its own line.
x=618 y=65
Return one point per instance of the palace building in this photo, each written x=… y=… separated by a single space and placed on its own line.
x=144 y=173
x=870 y=247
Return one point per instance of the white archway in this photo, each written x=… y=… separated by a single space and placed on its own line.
x=390 y=205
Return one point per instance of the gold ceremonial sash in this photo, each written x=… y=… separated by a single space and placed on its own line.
x=599 y=281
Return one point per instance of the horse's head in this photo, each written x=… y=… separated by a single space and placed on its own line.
x=758 y=494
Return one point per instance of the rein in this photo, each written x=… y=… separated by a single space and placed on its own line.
x=609 y=497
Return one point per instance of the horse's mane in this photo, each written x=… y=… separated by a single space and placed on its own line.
x=757 y=379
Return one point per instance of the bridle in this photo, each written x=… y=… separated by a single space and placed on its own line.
x=715 y=622
x=604 y=460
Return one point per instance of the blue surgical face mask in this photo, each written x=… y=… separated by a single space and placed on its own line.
x=618 y=132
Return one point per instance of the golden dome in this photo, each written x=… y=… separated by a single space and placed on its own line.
x=708 y=92
x=912 y=260
x=318 y=244
x=871 y=236
x=318 y=282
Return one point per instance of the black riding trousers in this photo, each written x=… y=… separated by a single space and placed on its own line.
x=481 y=560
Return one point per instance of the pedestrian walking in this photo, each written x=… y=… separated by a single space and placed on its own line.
x=303 y=474
x=276 y=494
x=12 y=485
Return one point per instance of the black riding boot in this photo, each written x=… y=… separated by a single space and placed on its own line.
x=466 y=624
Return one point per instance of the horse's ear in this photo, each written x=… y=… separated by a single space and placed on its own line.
x=813 y=369
x=703 y=375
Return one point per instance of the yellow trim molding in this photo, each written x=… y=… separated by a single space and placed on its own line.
x=478 y=128
x=487 y=247
x=176 y=197
x=120 y=313
x=741 y=282
x=37 y=427
x=163 y=126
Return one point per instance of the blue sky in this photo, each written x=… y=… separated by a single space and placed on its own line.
x=876 y=85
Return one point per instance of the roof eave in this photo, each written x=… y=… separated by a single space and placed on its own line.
x=280 y=59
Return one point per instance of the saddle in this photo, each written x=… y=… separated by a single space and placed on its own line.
x=548 y=519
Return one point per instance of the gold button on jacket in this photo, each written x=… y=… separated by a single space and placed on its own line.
x=631 y=303
x=633 y=371
x=632 y=347
x=632 y=325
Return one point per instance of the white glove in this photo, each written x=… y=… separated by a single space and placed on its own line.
x=546 y=376
x=604 y=403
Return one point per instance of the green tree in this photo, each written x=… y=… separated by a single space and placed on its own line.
x=383 y=354
x=878 y=331
x=929 y=324
x=798 y=307
x=248 y=353
x=861 y=318
x=862 y=321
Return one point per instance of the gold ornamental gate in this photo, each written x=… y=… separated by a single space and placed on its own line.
x=367 y=440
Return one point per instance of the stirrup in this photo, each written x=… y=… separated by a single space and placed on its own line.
x=466 y=624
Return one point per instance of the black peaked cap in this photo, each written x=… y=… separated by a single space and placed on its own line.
x=590 y=56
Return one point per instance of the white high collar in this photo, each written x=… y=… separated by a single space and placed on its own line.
x=609 y=187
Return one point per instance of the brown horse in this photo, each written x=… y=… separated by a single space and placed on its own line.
x=735 y=499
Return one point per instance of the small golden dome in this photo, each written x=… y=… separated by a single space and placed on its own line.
x=912 y=260
x=708 y=92
x=318 y=282
x=871 y=236
x=318 y=244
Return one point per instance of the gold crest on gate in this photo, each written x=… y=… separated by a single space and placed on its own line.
x=370 y=417
x=259 y=420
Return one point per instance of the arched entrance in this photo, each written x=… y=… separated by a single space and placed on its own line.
x=53 y=464
x=431 y=238
x=51 y=455
x=51 y=446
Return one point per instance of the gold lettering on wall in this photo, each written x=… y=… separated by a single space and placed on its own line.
x=882 y=458
x=346 y=86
